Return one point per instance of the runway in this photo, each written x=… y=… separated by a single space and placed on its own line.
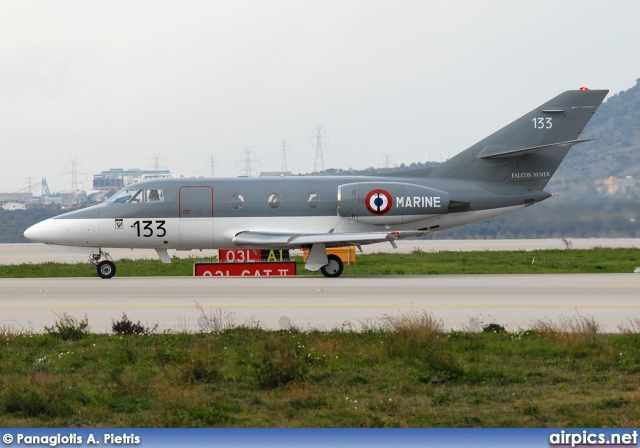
x=461 y=302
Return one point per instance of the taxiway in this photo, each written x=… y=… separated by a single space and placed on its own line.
x=461 y=301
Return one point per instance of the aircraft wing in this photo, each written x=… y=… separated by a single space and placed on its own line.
x=296 y=240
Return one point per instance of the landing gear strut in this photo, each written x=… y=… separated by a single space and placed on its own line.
x=334 y=268
x=106 y=268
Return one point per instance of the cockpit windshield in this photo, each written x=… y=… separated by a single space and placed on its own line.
x=125 y=195
x=136 y=195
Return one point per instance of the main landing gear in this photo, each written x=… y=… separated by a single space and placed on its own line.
x=317 y=259
x=334 y=268
x=106 y=268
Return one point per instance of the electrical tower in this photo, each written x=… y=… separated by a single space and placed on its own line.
x=247 y=160
x=387 y=160
x=74 y=175
x=284 y=157
x=318 y=165
x=156 y=162
x=212 y=163
x=75 y=185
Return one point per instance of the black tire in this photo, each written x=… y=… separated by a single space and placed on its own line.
x=334 y=268
x=106 y=269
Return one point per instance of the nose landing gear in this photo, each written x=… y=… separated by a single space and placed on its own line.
x=106 y=268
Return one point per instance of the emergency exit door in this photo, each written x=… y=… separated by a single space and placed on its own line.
x=196 y=217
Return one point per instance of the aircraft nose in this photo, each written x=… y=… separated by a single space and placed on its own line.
x=36 y=233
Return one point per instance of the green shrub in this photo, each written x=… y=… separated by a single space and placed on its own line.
x=69 y=328
x=125 y=326
x=493 y=328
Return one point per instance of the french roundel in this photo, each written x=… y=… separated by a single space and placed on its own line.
x=378 y=202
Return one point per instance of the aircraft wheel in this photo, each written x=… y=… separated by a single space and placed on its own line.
x=106 y=269
x=334 y=268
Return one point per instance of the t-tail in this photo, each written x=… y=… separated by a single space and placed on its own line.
x=529 y=150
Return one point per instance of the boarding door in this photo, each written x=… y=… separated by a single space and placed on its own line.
x=196 y=217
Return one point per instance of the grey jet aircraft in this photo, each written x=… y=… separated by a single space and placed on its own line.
x=502 y=173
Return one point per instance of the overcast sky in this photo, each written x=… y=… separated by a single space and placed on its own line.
x=113 y=83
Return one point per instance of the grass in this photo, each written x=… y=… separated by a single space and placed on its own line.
x=599 y=260
x=407 y=372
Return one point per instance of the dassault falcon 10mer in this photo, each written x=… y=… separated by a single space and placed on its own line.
x=505 y=172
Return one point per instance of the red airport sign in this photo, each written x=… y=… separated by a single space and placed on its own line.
x=251 y=269
x=238 y=255
x=244 y=255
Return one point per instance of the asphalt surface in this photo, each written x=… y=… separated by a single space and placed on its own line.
x=463 y=302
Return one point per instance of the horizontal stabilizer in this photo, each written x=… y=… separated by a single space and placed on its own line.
x=499 y=152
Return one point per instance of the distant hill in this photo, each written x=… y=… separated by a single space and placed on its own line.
x=616 y=126
x=612 y=162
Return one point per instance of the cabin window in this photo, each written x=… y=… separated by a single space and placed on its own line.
x=126 y=195
x=313 y=200
x=153 y=195
x=236 y=201
x=275 y=200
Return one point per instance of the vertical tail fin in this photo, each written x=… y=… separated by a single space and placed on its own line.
x=530 y=149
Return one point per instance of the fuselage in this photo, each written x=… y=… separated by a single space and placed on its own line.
x=196 y=213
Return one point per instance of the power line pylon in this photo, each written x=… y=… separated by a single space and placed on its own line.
x=246 y=154
x=284 y=157
x=74 y=175
x=156 y=162
x=318 y=165
x=212 y=163
x=75 y=185
x=387 y=160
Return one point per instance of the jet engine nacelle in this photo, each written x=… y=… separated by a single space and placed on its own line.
x=390 y=202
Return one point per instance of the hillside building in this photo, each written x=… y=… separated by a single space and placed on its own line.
x=11 y=206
